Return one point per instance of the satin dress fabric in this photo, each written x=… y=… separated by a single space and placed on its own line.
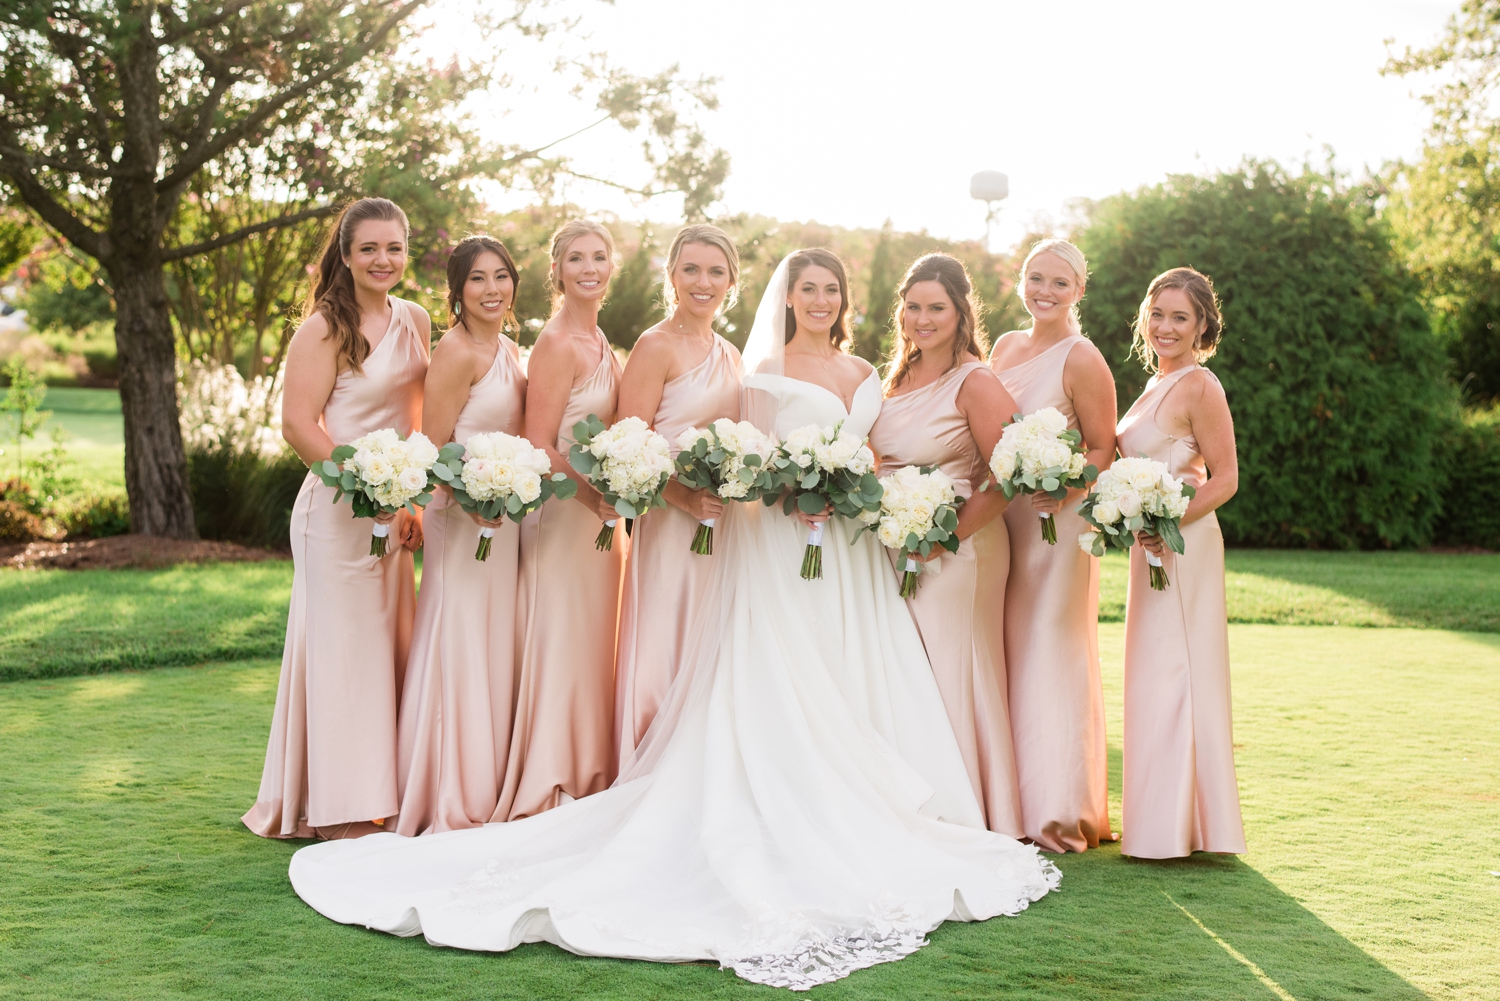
x=664 y=580
x=456 y=706
x=963 y=635
x=331 y=757
x=1180 y=792
x=799 y=809
x=567 y=615
x=1052 y=649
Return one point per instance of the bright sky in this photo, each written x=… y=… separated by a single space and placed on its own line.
x=849 y=113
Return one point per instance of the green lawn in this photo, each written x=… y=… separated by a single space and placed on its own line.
x=96 y=449
x=1367 y=762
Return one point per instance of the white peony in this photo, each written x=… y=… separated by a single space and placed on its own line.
x=413 y=480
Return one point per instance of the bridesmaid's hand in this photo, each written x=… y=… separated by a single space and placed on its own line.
x=1045 y=504
x=1152 y=544
x=809 y=520
x=409 y=530
x=485 y=522
x=604 y=509
x=701 y=504
x=385 y=519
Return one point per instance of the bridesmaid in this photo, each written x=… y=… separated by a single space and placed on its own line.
x=568 y=598
x=1180 y=793
x=945 y=408
x=680 y=375
x=1052 y=604
x=456 y=708
x=355 y=365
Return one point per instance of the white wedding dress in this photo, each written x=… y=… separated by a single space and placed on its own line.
x=799 y=809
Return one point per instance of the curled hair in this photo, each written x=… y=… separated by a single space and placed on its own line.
x=970 y=338
x=333 y=293
x=1069 y=254
x=709 y=236
x=461 y=262
x=821 y=258
x=563 y=239
x=1200 y=290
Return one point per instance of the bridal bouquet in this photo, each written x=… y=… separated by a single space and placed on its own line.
x=729 y=458
x=628 y=463
x=826 y=468
x=498 y=474
x=381 y=473
x=1136 y=495
x=918 y=510
x=1038 y=454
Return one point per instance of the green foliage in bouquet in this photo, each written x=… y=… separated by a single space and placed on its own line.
x=346 y=484
x=697 y=468
x=1121 y=534
x=450 y=468
x=631 y=504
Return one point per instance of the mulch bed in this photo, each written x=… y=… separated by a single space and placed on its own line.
x=119 y=551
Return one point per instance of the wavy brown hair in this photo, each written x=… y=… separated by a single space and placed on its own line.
x=1200 y=289
x=333 y=292
x=970 y=338
x=461 y=262
x=819 y=257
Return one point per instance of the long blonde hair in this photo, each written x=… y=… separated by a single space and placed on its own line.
x=563 y=238
x=970 y=338
x=1070 y=255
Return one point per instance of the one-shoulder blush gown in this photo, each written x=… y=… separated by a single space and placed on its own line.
x=331 y=757
x=799 y=809
x=664 y=580
x=1179 y=787
x=1052 y=649
x=960 y=623
x=567 y=613
x=456 y=707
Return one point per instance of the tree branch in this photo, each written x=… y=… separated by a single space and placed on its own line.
x=177 y=253
x=54 y=214
x=195 y=157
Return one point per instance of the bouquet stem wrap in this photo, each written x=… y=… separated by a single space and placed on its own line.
x=483 y=552
x=812 y=556
x=378 y=535
x=1159 y=580
x=605 y=540
x=913 y=570
x=703 y=539
x=1049 y=528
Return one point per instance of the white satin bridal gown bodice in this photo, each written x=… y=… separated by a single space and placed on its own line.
x=798 y=810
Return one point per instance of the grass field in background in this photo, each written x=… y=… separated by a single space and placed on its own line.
x=1366 y=760
x=96 y=448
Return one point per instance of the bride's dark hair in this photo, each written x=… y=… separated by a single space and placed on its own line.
x=821 y=258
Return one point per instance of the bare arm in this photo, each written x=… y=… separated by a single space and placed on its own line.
x=641 y=390
x=550 y=372
x=1091 y=387
x=446 y=390
x=312 y=367
x=987 y=405
x=1213 y=427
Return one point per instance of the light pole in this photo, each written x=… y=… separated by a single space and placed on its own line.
x=990 y=187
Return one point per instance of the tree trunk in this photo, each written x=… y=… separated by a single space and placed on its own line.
x=155 y=464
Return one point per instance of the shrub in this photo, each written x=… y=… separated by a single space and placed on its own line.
x=1471 y=453
x=1330 y=368
x=96 y=516
x=18 y=524
x=242 y=497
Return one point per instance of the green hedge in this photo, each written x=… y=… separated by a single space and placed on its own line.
x=244 y=498
x=1330 y=368
x=1471 y=454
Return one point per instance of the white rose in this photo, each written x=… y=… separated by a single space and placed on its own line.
x=413 y=480
x=1130 y=504
x=420 y=450
x=1106 y=512
x=377 y=470
x=1086 y=542
x=1051 y=420
x=528 y=487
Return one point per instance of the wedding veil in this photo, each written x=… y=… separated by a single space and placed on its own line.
x=765 y=353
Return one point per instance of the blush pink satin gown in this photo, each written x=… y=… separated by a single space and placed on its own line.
x=567 y=613
x=664 y=580
x=331 y=757
x=454 y=732
x=1052 y=649
x=960 y=622
x=1180 y=792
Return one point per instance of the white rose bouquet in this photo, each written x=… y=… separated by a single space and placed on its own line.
x=1136 y=495
x=918 y=510
x=1037 y=453
x=731 y=459
x=827 y=468
x=498 y=474
x=628 y=463
x=381 y=473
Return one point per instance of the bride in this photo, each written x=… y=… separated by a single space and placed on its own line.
x=798 y=810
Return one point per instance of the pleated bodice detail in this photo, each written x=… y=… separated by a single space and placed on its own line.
x=387 y=393
x=665 y=581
